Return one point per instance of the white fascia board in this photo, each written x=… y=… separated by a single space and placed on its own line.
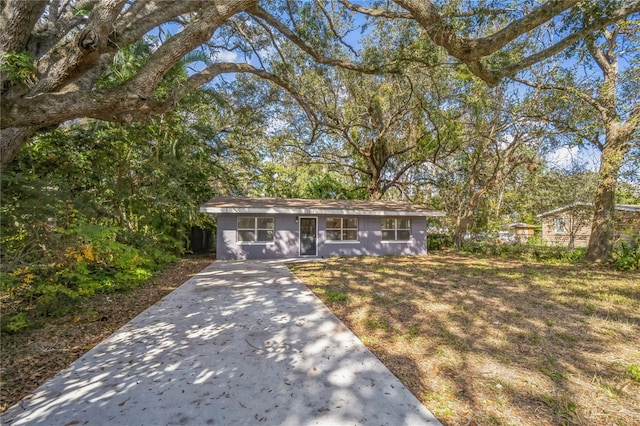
x=226 y=210
x=627 y=208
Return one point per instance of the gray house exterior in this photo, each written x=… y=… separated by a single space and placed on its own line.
x=279 y=228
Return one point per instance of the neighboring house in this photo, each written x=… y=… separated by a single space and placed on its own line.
x=270 y=228
x=571 y=225
x=521 y=232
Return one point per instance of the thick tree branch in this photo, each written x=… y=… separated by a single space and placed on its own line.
x=620 y=14
x=633 y=122
x=214 y=70
x=17 y=20
x=258 y=12
x=173 y=50
x=469 y=51
x=376 y=13
x=83 y=52
x=486 y=45
x=16 y=23
x=142 y=17
x=123 y=104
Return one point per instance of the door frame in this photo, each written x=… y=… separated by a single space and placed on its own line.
x=300 y=236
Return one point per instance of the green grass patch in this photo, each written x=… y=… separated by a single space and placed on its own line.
x=376 y=323
x=633 y=372
x=336 y=296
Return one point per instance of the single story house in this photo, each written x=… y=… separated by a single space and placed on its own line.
x=571 y=225
x=271 y=228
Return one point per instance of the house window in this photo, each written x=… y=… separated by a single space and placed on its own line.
x=341 y=228
x=558 y=225
x=396 y=229
x=255 y=229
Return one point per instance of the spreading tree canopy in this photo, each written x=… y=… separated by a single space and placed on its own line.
x=54 y=54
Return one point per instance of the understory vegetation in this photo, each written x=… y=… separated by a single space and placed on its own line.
x=78 y=262
x=495 y=341
x=33 y=355
x=98 y=208
x=625 y=256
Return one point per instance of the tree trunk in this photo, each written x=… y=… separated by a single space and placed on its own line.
x=464 y=217
x=375 y=193
x=462 y=224
x=11 y=140
x=602 y=228
x=375 y=184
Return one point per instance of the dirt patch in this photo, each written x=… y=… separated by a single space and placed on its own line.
x=488 y=341
x=33 y=356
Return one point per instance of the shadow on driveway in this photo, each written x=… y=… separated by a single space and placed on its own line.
x=239 y=343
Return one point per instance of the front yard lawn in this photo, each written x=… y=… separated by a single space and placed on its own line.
x=492 y=341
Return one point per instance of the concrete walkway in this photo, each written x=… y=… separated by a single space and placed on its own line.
x=241 y=343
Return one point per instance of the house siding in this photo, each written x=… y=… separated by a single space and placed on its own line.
x=582 y=233
x=627 y=225
x=286 y=239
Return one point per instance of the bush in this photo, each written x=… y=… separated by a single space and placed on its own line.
x=439 y=242
x=539 y=253
x=92 y=259
x=626 y=255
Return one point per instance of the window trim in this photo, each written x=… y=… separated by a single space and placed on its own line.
x=556 y=221
x=255 y=230
x=395 y=230
x=341 y=229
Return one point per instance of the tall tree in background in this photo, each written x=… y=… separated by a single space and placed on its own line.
x=378 y=128
x=495 y=140
x=600 y=105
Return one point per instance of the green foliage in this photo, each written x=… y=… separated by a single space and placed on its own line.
x=18 y=68
x=15 y=323
x=626 y=255
x=336 y=296
x=439 y=242
x=97 y=207
x=538 y=253
x=94 y=260
x=303 y=181
x=633 y=372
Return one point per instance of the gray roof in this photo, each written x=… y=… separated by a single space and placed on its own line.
x=301 y=206
x=520 y=225
x=621 y=207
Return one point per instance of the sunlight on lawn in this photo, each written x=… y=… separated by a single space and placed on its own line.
x=495 y=341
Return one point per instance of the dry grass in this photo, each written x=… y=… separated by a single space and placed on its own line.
x=487 y=341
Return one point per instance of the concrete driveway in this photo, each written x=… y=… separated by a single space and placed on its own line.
x=241 y=343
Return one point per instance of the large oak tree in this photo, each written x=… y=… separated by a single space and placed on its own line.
x=53 y=53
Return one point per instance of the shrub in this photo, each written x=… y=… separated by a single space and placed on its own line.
x=626 y=255
x=92 y=258
x=14 y=323
x=540 y=253
x=439 y=241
